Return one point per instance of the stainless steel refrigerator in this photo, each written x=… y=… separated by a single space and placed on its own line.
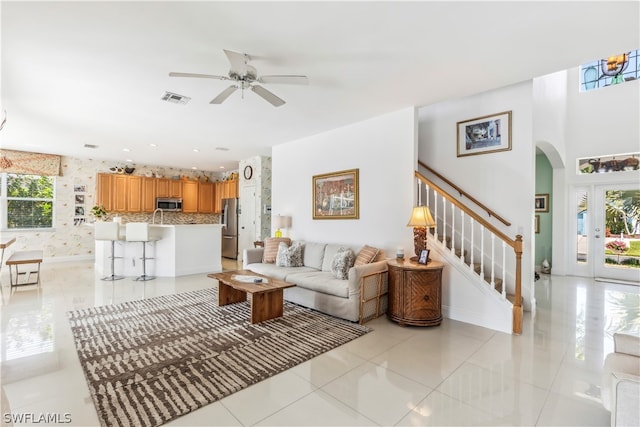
x=229 y=223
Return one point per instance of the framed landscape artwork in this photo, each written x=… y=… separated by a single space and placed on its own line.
x=487 y=134
x=335 y=195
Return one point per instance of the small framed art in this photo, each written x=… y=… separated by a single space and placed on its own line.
x=542 y=203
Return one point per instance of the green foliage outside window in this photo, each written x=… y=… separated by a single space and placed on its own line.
x=29 y=201
x=623 y=212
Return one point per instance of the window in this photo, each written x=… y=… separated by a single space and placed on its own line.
x=613 y=70
x=27 y=201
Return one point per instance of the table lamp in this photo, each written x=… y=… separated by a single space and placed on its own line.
x=281 y=221
x=421 y=219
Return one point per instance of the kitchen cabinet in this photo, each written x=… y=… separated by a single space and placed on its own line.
x=415 y=293
x=224 y=190
x=104 y=187
x=133 y=194
x=148 y=194
x=119 y=188
x=166 y=187
x=206 y=196
x=189 y=196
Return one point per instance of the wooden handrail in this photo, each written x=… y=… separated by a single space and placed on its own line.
x=511 y=242
x=516 y=244
x=467 y=195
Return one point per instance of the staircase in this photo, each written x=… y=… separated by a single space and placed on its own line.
x=484 y=257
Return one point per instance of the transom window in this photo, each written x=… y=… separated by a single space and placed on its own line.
x=613 y=70
x=27 y=201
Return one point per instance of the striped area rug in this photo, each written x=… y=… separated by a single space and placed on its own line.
x=150 y=361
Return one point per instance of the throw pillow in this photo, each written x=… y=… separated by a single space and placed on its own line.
x=366 y=255
x=289 y=256
x=342 y=262
x=271 y=248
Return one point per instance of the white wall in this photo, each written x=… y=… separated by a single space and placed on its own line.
x=599 y=122
x=383 y=149
x=503 y=181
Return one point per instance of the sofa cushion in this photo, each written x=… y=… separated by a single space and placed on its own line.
x=271 y=248
x=320 y=281
x=342 y=262
x=366 y=255
x=289 y=256
x=272 y=270
x=330 y=251
x=313 y=254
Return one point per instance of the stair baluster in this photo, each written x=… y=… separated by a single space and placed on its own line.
x=471 y=221
x=453 y=228
x=504 y=269
x=462 y=236
x=493 y=263
x=482 y=251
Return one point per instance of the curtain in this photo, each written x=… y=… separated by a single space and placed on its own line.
x=24 y=162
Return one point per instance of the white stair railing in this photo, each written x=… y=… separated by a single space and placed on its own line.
x=501 y=267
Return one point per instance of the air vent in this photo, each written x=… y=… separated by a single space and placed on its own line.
x=175 y=98
x=90 y=146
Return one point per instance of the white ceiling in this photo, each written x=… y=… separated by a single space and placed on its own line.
x=76 y=73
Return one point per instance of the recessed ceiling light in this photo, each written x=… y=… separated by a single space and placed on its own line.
x=126 y=150
x=196 y=150
x=128 y=160
x=153 y=145
x=221 y=167
x=194 y=167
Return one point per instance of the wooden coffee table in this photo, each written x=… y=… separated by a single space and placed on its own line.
x=266 y=297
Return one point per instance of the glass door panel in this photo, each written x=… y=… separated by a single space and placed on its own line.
x=617 y=232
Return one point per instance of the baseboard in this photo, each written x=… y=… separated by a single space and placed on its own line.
x=622 y=282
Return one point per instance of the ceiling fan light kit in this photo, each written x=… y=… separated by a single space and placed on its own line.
x=244 y=77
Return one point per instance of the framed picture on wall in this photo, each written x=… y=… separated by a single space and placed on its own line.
x=335 y=195
x=542 y=203
x=537 y=224
x=486 y=134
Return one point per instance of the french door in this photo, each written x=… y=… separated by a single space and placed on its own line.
x=616 y=232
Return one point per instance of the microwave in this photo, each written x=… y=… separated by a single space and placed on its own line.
x=169 y=204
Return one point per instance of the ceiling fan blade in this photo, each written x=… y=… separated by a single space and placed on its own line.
x=224 y=95
x=285 y=79
x=238 y=62
x=200 y=76
x=268 y=96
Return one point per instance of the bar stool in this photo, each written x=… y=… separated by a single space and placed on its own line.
x=139 y=232
x=110 y=232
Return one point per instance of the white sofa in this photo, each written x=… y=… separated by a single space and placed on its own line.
x=621 y=381
x=316 y=286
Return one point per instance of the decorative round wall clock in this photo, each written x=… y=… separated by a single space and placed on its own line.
x=248 y=172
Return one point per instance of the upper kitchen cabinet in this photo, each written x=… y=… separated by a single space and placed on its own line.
x=206 y=195
x=189 y=196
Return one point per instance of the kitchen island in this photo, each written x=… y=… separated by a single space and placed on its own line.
x=177 y=250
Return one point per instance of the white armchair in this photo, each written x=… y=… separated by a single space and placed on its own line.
x=621 y=381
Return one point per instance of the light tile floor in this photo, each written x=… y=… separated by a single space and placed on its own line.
x=453 y=374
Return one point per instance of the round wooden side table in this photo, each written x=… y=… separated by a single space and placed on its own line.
x=415 y=293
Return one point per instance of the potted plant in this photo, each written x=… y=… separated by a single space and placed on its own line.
x=617 y=246
x=99 y=212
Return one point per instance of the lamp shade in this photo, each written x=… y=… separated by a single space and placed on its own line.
x=421 y=217
x=282 y=221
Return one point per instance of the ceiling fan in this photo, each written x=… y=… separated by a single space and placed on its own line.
x=244 y=76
